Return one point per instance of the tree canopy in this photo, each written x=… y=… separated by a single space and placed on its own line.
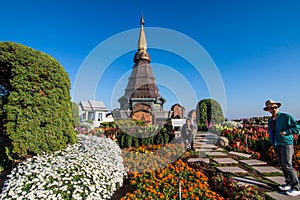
x=35 y=103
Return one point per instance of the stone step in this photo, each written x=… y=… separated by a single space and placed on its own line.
x=206 y=147
x=240 y=154
x=280 y=180
x=219 y=149
x=281 y=196
x=253 y=162
x=266 y=169
x=224 y=161
x=202 y=140
x=206 y=160
x=213 y=136
x=248 y=180
x=233 y=170
x=205 y=142
x=215 y=153
x=208 y=135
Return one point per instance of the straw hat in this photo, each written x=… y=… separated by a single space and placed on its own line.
x=270 y=103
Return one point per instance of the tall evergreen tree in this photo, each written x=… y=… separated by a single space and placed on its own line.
x=35 y=103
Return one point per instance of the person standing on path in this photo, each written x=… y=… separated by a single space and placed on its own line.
x=187 y=134
x=192 y=116
x=281 y=127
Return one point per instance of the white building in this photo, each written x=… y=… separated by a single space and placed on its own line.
x=94 y=112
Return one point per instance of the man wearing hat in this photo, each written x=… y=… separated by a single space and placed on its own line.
x=281 y=127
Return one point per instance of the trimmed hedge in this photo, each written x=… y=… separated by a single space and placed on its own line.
x=209 y=112
x=36 y=112
x=126 y=141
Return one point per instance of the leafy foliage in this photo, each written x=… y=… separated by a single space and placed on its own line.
x=75 y=112
x=36 y=113
x=209 y=112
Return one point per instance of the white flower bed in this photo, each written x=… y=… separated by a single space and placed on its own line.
x=232 y=124
x=91 y=169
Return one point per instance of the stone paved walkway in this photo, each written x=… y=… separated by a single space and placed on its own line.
x=229 y=162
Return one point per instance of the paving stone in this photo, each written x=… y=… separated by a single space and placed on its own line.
x=281 y=196
x=240 y=154
x=215 y=153
x=202 y=150
x=266 y=169
x=253 y=162
x=231 y=170
x=219 y=149
x=206 y=160
x=201 y=140
x=207 y=135
x=225 y=161
x=280 y=180
x=206 y=146
x=248 y=180
x=205 y=138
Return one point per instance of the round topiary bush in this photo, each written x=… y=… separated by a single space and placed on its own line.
x=209 y=112
x=35 y=103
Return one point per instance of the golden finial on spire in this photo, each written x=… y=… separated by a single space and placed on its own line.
x=142 y=21
x=142 y=44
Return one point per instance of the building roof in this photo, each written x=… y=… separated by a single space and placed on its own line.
x=92 y=106
x=146 y=91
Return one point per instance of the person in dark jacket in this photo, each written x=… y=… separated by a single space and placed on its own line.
x=187 y=134
x=281 y=127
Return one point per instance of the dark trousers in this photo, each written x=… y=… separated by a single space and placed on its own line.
x=284 y=154
x=188 y=140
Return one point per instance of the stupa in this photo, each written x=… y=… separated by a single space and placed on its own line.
x=142 y=99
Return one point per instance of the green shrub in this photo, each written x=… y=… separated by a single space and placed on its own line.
x=159 y=139
x=75 y=114
x=209 y=112
x=128 y=141
x=36 y=111
x=135 y=142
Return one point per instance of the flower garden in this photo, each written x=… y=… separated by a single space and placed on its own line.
x=90 y=169
x=106 y=159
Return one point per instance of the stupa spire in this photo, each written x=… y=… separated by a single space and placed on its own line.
x=142 y=43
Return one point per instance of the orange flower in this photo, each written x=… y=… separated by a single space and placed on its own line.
x=159 y=175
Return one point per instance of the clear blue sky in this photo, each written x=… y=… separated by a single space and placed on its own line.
x=254 y=44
